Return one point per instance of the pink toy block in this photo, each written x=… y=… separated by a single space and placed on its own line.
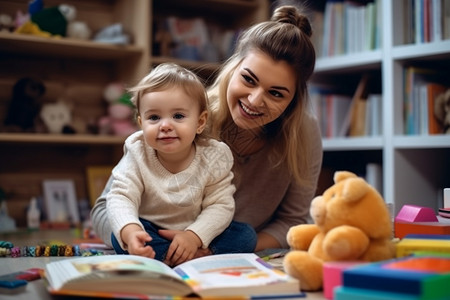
x=332 y=275
x=414 y=213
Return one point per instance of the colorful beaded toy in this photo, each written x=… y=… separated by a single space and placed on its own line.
x=7 y=249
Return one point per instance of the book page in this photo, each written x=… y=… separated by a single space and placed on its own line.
x=234 y=274
x=60 y=272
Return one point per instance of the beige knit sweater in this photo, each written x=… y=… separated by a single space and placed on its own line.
x=199 y=198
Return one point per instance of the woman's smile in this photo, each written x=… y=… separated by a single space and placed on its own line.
x=249 y=111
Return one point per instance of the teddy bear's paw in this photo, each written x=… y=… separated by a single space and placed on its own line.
x=345 y=243
x=299 y=237
x=306 y=268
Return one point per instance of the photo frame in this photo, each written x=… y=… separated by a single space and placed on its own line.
x=61 y=201
x=97 y=177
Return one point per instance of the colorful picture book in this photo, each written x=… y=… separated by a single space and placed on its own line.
x=127 y=276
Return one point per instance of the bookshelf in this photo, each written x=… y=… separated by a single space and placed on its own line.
x=415 y=168
x=80 y=70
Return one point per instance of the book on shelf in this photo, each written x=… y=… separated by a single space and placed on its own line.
x=416 y=107
x=357 y=114
x=126 y=276
x=350 y=27
x=412 y=277
x=425 y=21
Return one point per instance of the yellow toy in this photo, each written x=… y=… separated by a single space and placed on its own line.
x=351 y=222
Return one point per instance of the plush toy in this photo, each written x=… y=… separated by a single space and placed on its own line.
x=442 y=110
x=6 y=23
x=57 y=117
x=351 y=223
x=51 y=21
x=25 y=105
x=119 y=120
x=112 y=34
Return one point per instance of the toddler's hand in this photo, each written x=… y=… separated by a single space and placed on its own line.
x=136 y=240
x=183 y=248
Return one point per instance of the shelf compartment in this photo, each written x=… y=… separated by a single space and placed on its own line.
x=350 y=62
x=61 y=138
x=422 y=141
x=353 y=144
x=64 y=47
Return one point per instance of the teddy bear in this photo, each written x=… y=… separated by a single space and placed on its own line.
x=120 y=118
x=442 y=110
x=351 y=223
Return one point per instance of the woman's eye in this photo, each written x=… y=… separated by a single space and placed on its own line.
x=178 y=116
x=248 y=79
x=276 y=94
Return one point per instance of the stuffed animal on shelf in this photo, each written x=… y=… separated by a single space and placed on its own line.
x=351 y=223
x=57 y=117
x=442 y=110
x=51 y=21
x=25 y=105
x=120 y=118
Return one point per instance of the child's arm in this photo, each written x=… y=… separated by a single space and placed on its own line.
x=183 y=247
x=135 y=239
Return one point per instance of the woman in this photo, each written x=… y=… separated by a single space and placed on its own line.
x=260 y=109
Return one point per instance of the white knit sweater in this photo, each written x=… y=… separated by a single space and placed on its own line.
x=199 y=198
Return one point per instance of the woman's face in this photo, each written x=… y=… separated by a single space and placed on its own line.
x=259 y=90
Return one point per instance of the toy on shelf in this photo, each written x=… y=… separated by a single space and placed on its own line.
x=120 y=118
x=25 y=105
x=351 y=223
x=55 y=21
x=442 y=110
x=57 y=117
x=112 y=34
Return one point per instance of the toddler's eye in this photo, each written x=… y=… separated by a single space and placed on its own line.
x=178 y=116
x=153 y=117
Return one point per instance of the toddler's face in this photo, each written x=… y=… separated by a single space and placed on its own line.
x=170 y=119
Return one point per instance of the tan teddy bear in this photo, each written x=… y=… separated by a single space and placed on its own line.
x=351 y=222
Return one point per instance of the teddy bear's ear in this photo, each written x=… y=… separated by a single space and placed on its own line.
x=342 y=175
x=354 y=189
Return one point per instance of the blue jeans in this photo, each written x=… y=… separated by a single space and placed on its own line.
x=237 y=238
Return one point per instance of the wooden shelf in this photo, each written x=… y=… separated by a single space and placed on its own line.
x=61 y=138
x=64 y=47
x=193 y=65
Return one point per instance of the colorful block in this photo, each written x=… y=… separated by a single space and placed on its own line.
x=414 y=213
x=332 y=275
x=424 y=276
x=401 y=229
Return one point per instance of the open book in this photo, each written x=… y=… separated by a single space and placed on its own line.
x=127 y=276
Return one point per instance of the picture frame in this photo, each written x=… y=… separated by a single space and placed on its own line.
x=60 y=200
x=97 y=177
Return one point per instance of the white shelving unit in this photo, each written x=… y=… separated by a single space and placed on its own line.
x=415 y=168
